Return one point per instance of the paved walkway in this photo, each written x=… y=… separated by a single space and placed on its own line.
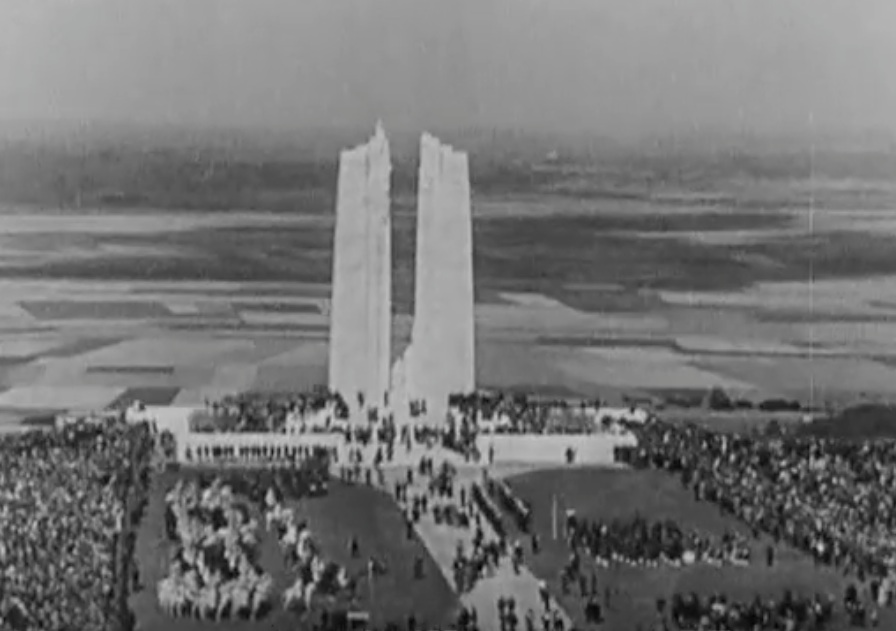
x=441 y=542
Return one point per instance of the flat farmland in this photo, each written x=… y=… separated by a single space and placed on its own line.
x=588 y=295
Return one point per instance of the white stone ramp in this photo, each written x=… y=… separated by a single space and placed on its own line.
x=441 y=543
x=522 y=586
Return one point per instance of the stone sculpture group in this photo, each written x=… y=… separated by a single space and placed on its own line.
x=440 y=359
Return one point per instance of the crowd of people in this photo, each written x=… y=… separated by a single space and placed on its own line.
x=450 y=503
x=214 y=571
x=323 y=410
x=831 y=499
x=256 y=412
x=315 y=575
x=517 y=413
x=718 y=613
x=69 y=502
x=518 y=508
x=641 y=542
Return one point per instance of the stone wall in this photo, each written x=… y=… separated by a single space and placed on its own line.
x=550 y=449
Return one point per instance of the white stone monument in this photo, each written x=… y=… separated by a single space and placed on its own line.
x=440 y=359
x=361 y=307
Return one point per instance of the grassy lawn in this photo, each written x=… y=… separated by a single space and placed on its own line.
x=369 y=514
x=596 y=493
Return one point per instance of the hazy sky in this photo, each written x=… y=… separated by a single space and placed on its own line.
x=617 y=67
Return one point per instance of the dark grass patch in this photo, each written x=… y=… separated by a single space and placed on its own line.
x=595 y=300
x=883 y=304
x=605 y=342
x=278 y=307
x=530 y=253
x=291 y=378
x=77 y=310
x=679 y=396
x=735 y=421
x=539 y=390
x=6 y=362
x=376 y=520
x=249 y=291
x=365 y=512
x=309 y=328
x=886 y=360
x=6 y=330
x=28 y=417
x=131 y=370
x=801 y=316
x=486 y=295
x=44 y=419
x=661 y=222
x=146 y=395
x=655 y=495
x=80 y=347
x=860 y=422
x=677 y=392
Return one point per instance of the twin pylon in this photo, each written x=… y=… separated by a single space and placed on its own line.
x=439 y=360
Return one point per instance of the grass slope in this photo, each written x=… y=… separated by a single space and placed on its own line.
x=365 y=512
x=597 y=493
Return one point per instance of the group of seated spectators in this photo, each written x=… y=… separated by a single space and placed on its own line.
x=257 y=412
x=319 y=411
x=69 y=502
x=638 y=541
x=506 y=413
x=832 y=499
x=515 y=413
x=718 y=613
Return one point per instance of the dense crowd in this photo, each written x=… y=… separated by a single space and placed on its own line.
x=718 y=613
x=832 y=499
x=639 y=541
x=254 y=412
x=214 y=572
x=69 y=502
x=434 y=491
x=522 y=414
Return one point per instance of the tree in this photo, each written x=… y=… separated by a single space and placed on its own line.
x=717 y=399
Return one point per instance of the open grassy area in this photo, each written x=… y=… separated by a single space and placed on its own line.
x=365 y=512
x=597 y=493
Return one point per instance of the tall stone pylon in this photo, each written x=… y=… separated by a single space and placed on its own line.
x=440 y=359
x=361 y=304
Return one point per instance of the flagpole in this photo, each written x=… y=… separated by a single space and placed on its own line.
x=554 y=516
x=370 y=586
